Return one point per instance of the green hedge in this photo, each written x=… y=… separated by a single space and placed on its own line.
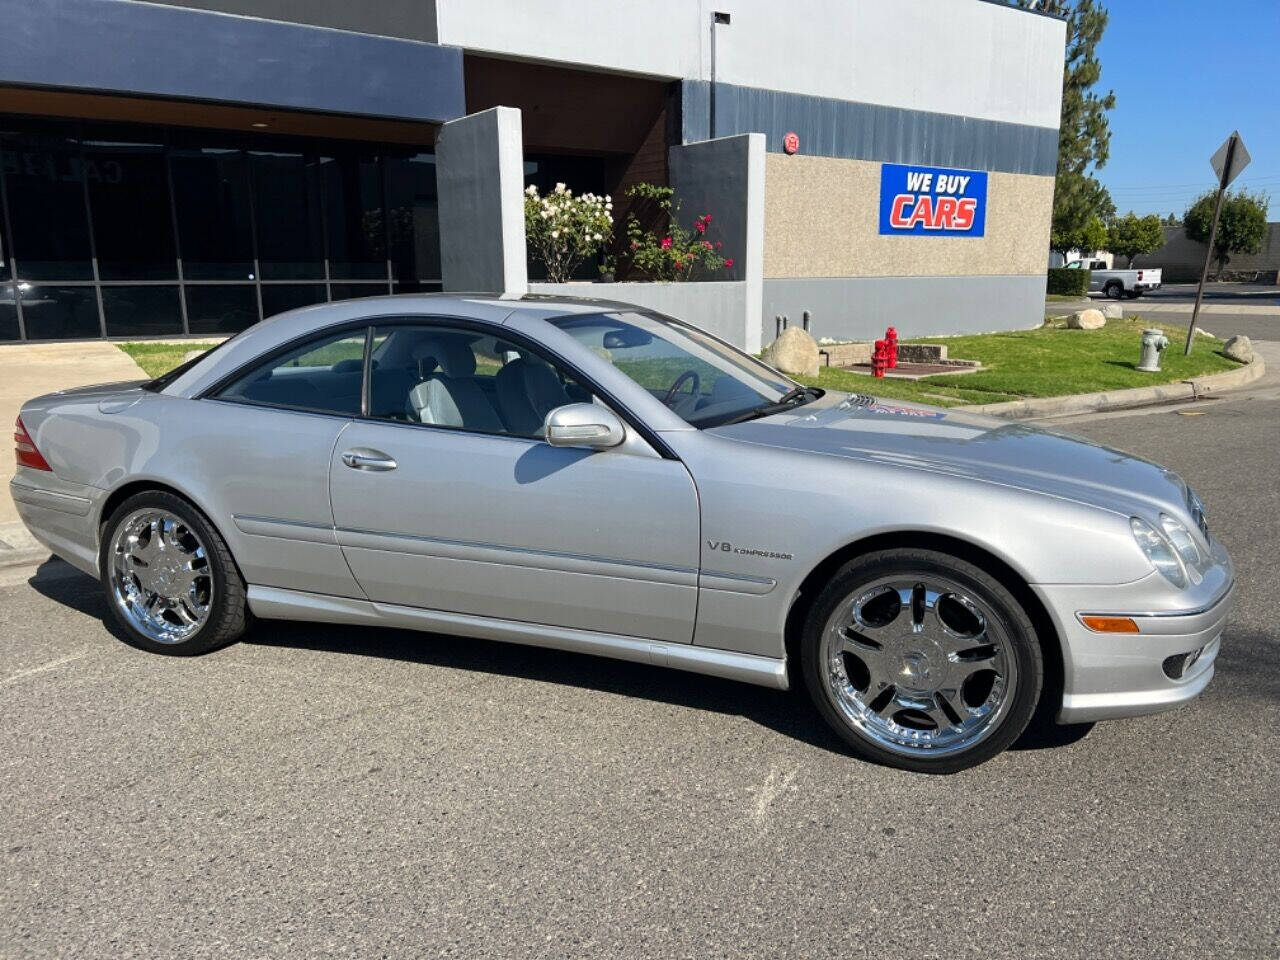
x=1070 y=283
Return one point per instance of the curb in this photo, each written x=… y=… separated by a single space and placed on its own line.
x=1192 y=389
x=18 y=548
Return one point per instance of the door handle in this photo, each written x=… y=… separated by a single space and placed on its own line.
x=362 y=458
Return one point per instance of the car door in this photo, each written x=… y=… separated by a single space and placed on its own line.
x=259 y=450
x=445 y=497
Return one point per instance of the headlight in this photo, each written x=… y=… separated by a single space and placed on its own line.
x=1181 y=539
x=1159 y=551
x=1196 y=506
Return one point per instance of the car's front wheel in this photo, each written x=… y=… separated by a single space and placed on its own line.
x=921 y=660
x=169 y=578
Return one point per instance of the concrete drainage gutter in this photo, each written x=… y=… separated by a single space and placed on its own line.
x=1193 y=389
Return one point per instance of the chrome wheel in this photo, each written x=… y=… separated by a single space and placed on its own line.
x=160 y=575
x=918 y=665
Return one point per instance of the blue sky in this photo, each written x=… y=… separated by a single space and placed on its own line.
x=1185 y=74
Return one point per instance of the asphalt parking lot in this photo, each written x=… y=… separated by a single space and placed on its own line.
x=325 y=791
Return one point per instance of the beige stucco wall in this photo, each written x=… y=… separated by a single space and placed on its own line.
x=822 y=219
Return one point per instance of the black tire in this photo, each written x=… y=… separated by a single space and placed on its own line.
x=1132 y=294
x=228 y=615
x=1023 y=644
x=1114 y=289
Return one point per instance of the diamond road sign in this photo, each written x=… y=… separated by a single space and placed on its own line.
x=1239 y=159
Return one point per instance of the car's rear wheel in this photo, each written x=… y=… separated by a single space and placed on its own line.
x=922 y=661
x=169 y=578
x=1114 y=290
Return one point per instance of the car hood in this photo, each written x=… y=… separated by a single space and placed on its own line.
x=918 y=437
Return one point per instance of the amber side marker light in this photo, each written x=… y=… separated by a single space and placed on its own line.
x=1110 y=624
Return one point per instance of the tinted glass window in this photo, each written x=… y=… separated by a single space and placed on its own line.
x=279 y=297
x=44 y=184
x=349 y=291
x=290 y=234
x=354 y=217
x=60 y=313
x=325 y=375
x=221 y=309
x=142 y=311
x=8 y=314
x=412 y=218
x=211 y=197
x=460 y=378
x=129 y=200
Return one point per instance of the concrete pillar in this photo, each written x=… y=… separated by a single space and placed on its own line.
x=725 y=178
x=480 y=182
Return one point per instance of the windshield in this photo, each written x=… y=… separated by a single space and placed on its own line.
x=706 y=382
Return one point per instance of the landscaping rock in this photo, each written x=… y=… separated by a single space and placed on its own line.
x=1087 y=320
x=1112 y=311
x=1239 y=348
x=794 y=352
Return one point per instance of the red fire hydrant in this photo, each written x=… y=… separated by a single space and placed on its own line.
x=880 y=358
x=891 y=337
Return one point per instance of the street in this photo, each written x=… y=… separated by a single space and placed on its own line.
x=327 y=791
x=1228 y=308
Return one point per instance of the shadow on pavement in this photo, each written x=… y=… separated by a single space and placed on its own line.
x=789 y=713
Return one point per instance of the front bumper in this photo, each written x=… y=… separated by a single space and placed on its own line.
x=1110 y=675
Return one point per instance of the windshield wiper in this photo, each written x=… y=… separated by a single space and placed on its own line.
x=785 y=402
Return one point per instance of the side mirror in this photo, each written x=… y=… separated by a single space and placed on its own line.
x=584 y=425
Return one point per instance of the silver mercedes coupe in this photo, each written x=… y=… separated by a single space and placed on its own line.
x=591 y=476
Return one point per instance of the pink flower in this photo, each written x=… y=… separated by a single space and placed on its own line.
x=707 y=244
x=666 y=243
x=679 y=265
x=700 y=226
x=707 y=218
x=729 y=262
x=719 y=244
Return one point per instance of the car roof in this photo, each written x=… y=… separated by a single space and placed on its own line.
x=292 y=325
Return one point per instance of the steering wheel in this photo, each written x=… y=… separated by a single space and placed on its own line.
x=690 y=376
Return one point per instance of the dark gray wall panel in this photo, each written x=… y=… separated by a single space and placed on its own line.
x=868 y=131
x=860 y=308
x=406 y=19
x=120 y=46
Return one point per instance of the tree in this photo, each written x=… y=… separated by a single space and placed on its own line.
x=1241 y=227
x=1084 y=138
x=1131 y=235
x=1087 y=206
x=1173 y=220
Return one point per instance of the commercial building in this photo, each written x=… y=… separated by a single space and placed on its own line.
x=190 y=167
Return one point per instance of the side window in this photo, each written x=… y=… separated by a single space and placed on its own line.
x=325 y=376
x=453 y=377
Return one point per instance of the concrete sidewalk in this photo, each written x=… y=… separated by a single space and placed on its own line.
x=30 y=369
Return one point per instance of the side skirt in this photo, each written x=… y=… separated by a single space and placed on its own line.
x=275 y=603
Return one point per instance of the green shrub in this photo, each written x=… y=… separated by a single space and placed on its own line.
x=1070 y=283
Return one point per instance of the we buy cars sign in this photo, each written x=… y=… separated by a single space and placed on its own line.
x=932 y=201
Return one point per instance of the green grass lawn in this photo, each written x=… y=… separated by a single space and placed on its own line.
x=157 y=358
x=1049 y=361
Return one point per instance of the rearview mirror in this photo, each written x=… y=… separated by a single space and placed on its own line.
x=584 y=425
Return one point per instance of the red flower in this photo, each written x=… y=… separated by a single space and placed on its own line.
x=679 y=265
x=729 y=262
x=666 y=243
x=700 y=226
x=707 y=218
x=719 y=244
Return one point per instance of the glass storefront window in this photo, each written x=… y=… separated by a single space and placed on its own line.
x=350 y=291
x=8 y=315
x=354 y=217
x=221 y=308
x=279 y=297
x=60 y=313
x=44 y=186
x=215 y=225
x=142 y=311
x=290 y=223
x=413 y=217
x=132 y=216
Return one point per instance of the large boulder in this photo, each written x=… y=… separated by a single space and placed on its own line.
x=1239 y=348
x=1112 y=311
x=1087 y=320
x=795 y=352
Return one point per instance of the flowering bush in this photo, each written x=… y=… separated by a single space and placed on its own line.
x=666 y=250
x=562 y=230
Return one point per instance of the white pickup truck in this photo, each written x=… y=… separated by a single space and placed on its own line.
x=1117 y=283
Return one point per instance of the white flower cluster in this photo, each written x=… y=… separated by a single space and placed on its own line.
x=563 y=229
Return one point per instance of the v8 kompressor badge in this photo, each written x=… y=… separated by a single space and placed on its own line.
x=724 y=546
